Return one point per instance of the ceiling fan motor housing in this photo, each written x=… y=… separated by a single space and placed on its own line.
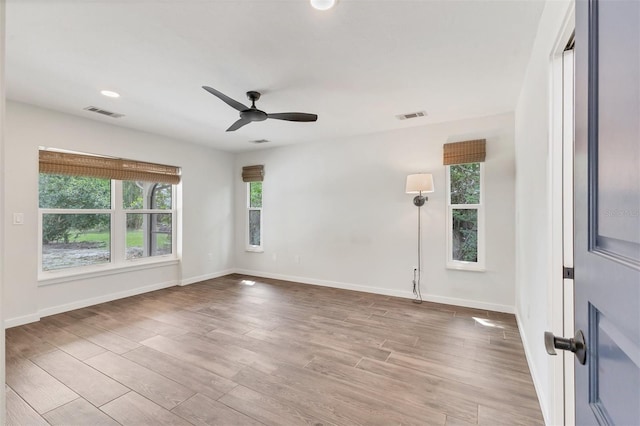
x=253 y=114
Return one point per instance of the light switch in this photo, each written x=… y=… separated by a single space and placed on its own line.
x=18 y=218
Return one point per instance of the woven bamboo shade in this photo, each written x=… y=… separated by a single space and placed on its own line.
x=464 y=152
x=253 y=173
x=63 y=163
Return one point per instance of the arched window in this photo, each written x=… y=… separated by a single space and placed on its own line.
x=150 y=219
x=160 y=224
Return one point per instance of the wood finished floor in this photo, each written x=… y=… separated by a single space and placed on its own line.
x=249 y=351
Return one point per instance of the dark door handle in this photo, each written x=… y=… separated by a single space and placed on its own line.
x=576 y=345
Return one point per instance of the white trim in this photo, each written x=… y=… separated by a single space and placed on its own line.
x=534 y=374
x=193 y=280
x=117 y=238
x=567 y=157
x=107 y=269
x=480 y=265
x=561 y=409
x=3 y=182
x=567 y=229
x=76 y=211
x=39 y=243
x=569 y=362
x=249 y=247
x=177 y=204
x=21 y=320
x=13 y=322
x=459 y=265
x=146 y=211
x=105 y=298
x=554 y=236
x=384 y=291
x=26 y=319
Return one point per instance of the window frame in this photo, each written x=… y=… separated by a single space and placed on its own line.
x=150 y=211
x=248 y=246
x=118 y=240
x=461 y=265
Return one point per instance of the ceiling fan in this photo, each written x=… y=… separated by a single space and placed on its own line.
x=248 y=115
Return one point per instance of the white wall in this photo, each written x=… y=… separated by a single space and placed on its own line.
x=2 y=126
x=355 y=228
x=340 y=206
x=533 y=225
x=207 y=216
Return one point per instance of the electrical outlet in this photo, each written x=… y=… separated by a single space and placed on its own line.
x=18 y=218
x=296 y=258
x=210 y=257
x=274 y=257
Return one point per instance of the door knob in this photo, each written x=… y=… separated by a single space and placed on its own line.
x=576 y=345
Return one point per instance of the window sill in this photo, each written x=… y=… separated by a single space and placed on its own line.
x=466 y=266
x=254 y=249
x=62 y=276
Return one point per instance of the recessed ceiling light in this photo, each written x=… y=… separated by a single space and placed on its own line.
x=323 y=4
x=110 y=94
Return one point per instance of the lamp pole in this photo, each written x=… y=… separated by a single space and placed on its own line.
x=418 y=201
x=419 y=183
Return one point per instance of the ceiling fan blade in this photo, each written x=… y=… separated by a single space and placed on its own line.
x=293 y=116
x=235 y=126
x=231 y=102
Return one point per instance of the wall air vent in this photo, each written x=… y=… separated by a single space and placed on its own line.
x=411 y=115
x=103 y=112
x=260 y=141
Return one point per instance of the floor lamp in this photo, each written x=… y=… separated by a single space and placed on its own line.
x=418 y=184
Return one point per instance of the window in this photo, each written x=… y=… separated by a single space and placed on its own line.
x=465 y=216
x=253 y=176
x=91 y=223
x=75 y=221
x=254 y=216
x=149 y=217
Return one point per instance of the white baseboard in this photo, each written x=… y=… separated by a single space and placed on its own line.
x=106 y=298
x=193 y=280
x=22 y=320
x=325 y=283
x=475 y=304
x=26 y=319
x=532 y=370
x=384 y=291
x=13 y=322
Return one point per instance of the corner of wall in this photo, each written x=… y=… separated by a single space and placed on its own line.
x=535 y=375
x=533 y=227
x=2 y=184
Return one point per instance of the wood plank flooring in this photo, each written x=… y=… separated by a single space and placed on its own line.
x=241 y=350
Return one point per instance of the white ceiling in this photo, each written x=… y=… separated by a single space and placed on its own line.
x=356 y=66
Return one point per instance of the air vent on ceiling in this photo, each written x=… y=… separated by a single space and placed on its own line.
x=103 y=112
x=411 y=115
x=260 y=141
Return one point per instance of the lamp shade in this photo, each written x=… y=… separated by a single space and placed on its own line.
x=323 y=4
x=421 y=182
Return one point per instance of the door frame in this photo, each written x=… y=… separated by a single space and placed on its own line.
x=2 y=214
x=560 y=202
